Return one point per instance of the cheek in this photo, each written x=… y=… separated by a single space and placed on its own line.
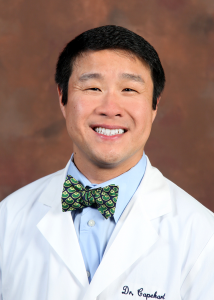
x=73 y=108
x=77 y=112
x=142 y=116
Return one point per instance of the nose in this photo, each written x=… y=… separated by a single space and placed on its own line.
x=110 y=106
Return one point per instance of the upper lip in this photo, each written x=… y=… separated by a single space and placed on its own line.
x=108 y=126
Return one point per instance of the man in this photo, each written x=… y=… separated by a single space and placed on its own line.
x=109 y=225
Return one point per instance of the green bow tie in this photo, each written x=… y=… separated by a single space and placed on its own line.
x=75 y=196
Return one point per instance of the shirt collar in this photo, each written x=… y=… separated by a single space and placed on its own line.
x=128 y=183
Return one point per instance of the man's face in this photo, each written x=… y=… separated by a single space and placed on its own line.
x=109 y=91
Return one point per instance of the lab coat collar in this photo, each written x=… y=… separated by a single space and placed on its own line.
x=154 y=193
x=151 y=200
x=58 y=229
x=51 y=195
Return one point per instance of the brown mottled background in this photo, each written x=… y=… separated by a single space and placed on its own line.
x=33 y=137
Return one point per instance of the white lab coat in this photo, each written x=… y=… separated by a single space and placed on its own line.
x=162 y=246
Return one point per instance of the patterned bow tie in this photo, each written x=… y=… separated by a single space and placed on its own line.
x=75 y=196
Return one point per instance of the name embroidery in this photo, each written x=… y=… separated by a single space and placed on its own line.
x=140 y=293
x=126 y=291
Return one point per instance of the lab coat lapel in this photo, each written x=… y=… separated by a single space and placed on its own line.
x=134 y=234
x=58 y=229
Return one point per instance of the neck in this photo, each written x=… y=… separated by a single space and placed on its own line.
x=98 y=173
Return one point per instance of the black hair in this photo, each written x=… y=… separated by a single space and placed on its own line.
x=109 y=37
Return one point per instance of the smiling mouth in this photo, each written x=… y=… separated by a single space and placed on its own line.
x=109 y=132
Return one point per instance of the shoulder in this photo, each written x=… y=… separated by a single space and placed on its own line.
x=185 y=223
x=190 y=226
x=23 y=209
x=191 y=229
x=27 y=194
x=183 y=206
x=187 y=207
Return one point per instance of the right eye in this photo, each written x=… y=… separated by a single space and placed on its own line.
x=94 y=89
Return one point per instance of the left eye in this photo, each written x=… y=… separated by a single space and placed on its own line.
x=94 y=89
x=128 y=90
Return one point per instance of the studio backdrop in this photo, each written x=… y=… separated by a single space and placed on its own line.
x=33 y=138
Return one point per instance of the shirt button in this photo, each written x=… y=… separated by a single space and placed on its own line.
x=88 y=273
x=91 y=223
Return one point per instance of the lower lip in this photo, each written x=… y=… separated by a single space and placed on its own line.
x=109 y=137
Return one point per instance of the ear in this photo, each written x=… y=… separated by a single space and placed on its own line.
x=158 y=101
x=156 y=109
x=62 y=106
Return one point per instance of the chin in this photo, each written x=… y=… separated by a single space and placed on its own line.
x=108 y=159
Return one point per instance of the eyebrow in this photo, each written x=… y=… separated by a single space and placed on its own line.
x=132 y=77
x=88 y=76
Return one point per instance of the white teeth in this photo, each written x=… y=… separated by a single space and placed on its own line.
x=109 y=131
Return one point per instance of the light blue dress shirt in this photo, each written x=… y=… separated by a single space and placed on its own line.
x=92 y=229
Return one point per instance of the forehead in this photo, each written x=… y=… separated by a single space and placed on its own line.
x=109 y=60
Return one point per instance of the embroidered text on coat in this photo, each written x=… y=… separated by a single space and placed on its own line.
x=126 y=291
x=140 y=293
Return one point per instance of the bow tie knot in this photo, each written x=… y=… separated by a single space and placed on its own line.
x=75 y=196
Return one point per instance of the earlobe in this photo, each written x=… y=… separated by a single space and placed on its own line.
x=62 y=106
x=158 y=101
x=154 y=113
x=156 y=109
